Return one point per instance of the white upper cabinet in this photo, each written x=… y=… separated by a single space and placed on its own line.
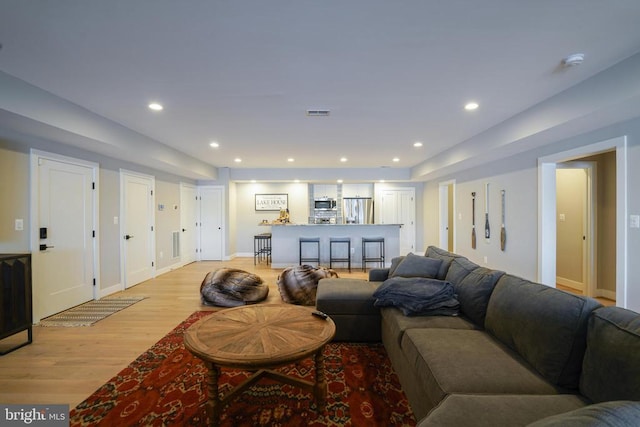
x=325 y=190
x=357 y=190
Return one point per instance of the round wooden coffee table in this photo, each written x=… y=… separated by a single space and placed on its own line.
x=258 y=338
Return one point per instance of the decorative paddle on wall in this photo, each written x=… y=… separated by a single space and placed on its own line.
x=473 y=220
x=487 y=229
x=503 y=231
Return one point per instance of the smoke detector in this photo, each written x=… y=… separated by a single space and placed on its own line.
x=575 y=59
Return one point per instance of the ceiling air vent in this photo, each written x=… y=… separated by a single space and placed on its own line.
x=317 y=113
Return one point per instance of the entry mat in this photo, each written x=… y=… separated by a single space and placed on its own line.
x=91 y=312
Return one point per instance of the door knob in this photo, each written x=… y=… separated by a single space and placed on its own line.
x=44 y=247
x=127 y=237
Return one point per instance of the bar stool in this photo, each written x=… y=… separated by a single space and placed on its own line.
x=377 y=256
x=310 y=240
x=262 y=248
x=340 y=241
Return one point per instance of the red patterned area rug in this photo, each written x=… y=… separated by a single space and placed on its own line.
x=166 y=386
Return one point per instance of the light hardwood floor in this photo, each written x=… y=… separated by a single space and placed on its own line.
x=66 y=365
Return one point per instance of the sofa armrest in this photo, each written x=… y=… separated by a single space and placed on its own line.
x=378 y=274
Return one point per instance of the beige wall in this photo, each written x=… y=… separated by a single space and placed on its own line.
x=606 y=222
x=247 y=218
x=167 y=221
x=14 y=200
x=571 y=190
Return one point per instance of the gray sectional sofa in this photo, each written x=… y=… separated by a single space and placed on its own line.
x=516 y=352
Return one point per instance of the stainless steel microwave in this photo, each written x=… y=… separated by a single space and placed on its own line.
x=325 y=204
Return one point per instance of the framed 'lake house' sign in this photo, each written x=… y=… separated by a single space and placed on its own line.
x=272 y=202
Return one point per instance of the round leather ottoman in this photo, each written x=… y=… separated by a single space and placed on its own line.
x=230 y=287
x=298 y=285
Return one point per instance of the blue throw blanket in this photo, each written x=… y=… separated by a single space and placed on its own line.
x=417 y=296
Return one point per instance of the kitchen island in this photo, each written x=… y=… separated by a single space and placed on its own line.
x=285 y=248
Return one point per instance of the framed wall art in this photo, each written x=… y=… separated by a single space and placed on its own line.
x=272 y=202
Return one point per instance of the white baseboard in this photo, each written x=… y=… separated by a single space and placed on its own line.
x=169 y=268
x=110 y=290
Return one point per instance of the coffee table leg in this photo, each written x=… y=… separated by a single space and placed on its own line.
x=213 y=405
x=320 y=391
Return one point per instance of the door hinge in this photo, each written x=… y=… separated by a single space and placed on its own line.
x=94 y=281
x=94 y=234
x=152 y=264
x=152 y=192
x=93 y=185
x=152 y=228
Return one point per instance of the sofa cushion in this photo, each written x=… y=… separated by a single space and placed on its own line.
x=498 y=410
x=395 y=262
x=459 y=269
x=414 y=265
x=398 y=323
x=346 y=296
x=611 y=369
x=418 y=296
x=615 y=413
x=450 y=361
x=474 y=292
x=547 y=327
x=446 y=257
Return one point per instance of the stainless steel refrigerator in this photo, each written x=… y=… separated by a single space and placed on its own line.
x=357 y=210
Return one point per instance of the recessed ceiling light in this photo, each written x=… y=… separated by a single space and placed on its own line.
x=237 y=160
x=417 y=144
x=343 y=159
x=214 y=144
x=396 y=159
x=290 y=159
x=155 y=106
x=470 y=106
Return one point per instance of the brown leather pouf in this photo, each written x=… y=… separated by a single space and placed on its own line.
x=230 y=287
x=298 y=285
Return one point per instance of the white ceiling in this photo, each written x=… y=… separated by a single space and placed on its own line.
x=243 y=73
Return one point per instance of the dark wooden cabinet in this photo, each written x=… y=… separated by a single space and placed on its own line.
x=15 y=298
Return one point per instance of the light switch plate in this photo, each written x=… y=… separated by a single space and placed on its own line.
x=19 y=225
x=634 y=221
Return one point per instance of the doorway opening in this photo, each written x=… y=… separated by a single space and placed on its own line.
x=602 y=202
x=447 y=215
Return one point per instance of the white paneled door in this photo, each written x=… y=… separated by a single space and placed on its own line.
x=64 y=220
x=137 y=227
x=188 y=223
x=211 y=220
x=398 y=207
